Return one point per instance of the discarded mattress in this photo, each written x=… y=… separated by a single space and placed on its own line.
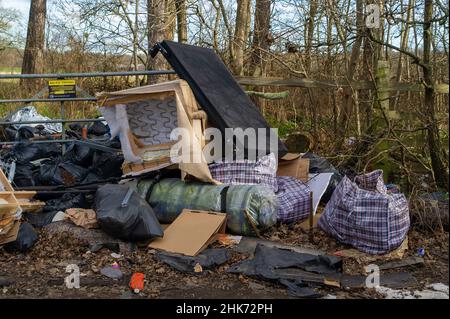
x=363 y=214
x=146 y=118
x=293 y=198
x=217 y=92
x=249 y=208
x=245 y=172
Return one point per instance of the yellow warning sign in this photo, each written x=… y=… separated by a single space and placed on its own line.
x=62 y=89
x=61 y=82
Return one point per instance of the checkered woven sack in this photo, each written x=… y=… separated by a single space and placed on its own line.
x=363 y=214
x=293 y=199
x=262 y=172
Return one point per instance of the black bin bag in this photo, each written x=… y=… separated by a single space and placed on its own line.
x=26 y=238
x=123 y=213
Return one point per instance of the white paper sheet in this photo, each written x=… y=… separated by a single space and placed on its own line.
x=318 y=184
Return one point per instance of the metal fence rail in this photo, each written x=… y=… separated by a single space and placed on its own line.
x=63 y=120
x=84 y=75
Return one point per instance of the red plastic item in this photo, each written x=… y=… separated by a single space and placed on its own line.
x=84 y=133
x=137 y=282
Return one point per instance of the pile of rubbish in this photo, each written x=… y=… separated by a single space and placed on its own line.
x=121 y=181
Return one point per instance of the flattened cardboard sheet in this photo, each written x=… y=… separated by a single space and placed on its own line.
x=191 y=232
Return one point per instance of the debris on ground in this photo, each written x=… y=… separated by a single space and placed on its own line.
x=111 y=272
x=433 y=291
x=207 y=259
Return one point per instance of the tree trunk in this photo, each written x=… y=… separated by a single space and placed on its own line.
x=440 y=169
x=261 y=35
x=240 y=35
x=260 y=46
x=156 y=33
x=404 y=34
x=351 y=70
x=33 y=58
x=170 y=18
x=309 y=36
x=181 y=21
x=136 y=40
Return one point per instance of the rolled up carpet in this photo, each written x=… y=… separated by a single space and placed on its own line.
x=250 y=208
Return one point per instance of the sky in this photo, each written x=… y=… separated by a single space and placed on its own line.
x=23 y=6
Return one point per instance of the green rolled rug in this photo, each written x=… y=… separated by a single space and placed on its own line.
x=250 y=208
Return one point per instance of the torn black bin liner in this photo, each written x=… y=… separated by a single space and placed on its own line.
x=101 y=165
x=25 y=133
x=124 y=214
x=26 y=238
x=289 y=268
x=79 y=154
x=66 y=201
x=40 y=220
x=107 y=165
x=98 y=129
x=55 y=172
x=27 y=152
x=114 y=143
x=297 y=288
x=208 y=259
x=319 y=164
x=25 y=175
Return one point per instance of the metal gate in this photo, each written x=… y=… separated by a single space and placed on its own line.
x=63 y=120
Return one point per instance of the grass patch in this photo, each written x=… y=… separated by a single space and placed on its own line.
x=284 y=127
x=9 y=70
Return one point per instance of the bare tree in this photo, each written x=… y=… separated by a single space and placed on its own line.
x=33 y=59
x=156 y=33
x=240 y=35
x=351 y=71
x=182 y=31
x=434 y=141
x=261 y=37
x=6 y=16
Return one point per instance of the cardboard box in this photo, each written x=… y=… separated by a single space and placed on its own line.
x=191 y=232
x=11 y=233
x=295 y=166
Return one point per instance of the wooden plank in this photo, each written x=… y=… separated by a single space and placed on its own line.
x=301 y=82
x=382 y=78
x=442 y=88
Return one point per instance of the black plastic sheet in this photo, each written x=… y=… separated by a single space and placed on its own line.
x=291 y=269
x=66 y=201
x=209 y=258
